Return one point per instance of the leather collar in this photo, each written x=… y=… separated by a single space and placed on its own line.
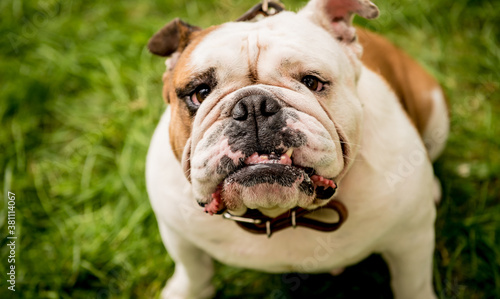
x=262 y=8
x=255 y=222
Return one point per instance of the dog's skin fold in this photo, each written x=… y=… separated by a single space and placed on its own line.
x=269 y=115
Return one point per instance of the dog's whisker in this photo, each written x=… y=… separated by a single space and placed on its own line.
x=350 y=143
x=352 y=159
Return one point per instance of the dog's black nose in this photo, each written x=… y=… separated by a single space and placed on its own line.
x=255 y=105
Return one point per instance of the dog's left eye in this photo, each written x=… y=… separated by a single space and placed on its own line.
x=200 y=94
x=313 y=83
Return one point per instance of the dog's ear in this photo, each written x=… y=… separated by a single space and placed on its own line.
x=171 y=39
x=336 y=16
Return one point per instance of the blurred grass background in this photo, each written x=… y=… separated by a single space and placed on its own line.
x=79 y=99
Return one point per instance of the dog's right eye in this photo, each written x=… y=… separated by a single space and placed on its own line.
x=313 y=83
x=200 y=94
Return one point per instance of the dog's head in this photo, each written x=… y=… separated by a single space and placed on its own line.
x=265 y=115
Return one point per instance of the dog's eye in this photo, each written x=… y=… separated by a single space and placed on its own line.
x=200 y=94
x=313 y=83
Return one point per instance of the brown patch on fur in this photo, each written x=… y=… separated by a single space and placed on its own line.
x=173 y=37
x=181 y=122
x=411 y=83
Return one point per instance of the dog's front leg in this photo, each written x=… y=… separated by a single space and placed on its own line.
x=193 y=268
x=410 y=262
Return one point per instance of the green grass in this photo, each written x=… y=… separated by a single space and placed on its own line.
x=80 y=97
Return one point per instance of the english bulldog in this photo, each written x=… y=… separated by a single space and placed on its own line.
x=296 y=143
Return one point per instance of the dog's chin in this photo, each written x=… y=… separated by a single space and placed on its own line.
x=270 y=182
x=268 y=186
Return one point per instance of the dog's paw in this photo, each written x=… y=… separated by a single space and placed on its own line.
x=437 y=191
x=176 y=291
x=337 y=271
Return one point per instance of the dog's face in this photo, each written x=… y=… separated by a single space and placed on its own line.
x=265 y=115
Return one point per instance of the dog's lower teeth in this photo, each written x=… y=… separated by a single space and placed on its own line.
x=273 y=156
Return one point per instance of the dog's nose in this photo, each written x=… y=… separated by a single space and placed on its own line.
x=256 y=106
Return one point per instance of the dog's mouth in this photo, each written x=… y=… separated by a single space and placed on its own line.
x=270 y=180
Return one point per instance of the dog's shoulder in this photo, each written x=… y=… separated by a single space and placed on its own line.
x=412 y=84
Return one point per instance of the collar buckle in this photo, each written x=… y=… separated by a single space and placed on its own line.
x=266 y=8
x=230 y=216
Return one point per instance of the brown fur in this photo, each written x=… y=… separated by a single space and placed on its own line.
x=181 y=124
x=173 y=37
x=411 y=83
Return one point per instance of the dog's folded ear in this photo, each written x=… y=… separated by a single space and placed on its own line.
x=172 y=38
x=336 y=15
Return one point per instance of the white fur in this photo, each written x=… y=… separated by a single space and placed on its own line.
x=438 y=126
x=388 y=189
x=392 y=223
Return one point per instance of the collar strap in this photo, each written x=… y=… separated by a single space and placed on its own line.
x=262 y=8
x=255 y=222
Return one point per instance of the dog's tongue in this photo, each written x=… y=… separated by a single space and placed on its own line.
x=217 y=204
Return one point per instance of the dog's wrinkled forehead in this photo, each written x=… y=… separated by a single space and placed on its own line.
x=285 y=42
x=311 y=34
x=287 y=53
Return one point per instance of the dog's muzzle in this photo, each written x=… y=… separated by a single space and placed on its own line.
x=266 y=176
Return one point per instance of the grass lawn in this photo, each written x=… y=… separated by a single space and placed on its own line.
x=79 y=99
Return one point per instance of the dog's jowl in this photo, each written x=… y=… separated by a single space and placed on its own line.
x=280 y=136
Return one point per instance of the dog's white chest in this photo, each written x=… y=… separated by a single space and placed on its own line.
x=290 y=250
